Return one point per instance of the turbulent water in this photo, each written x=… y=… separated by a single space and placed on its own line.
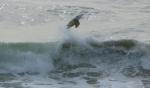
x=110 y=49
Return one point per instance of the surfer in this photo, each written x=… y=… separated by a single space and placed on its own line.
x=74 y=22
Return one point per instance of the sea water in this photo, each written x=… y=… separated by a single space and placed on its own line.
x=110 y=48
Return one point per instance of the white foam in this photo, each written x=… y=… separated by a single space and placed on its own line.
x=115 y=83
x=29 y=62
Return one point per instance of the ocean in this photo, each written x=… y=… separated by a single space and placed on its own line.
x=110 y=48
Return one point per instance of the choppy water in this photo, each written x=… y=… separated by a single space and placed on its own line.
x=110 y=49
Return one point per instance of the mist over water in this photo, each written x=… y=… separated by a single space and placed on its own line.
x=110 y=48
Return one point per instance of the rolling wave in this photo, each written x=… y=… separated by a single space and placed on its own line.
x=120 y=56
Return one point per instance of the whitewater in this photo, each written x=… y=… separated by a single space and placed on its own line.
x=110 y=48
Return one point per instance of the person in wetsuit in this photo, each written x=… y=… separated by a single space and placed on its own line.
x=74 y=22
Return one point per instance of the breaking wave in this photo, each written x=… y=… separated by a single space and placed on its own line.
x=128 y=57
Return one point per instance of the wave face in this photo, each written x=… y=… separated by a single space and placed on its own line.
x=128 y=57
x=25 y=57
